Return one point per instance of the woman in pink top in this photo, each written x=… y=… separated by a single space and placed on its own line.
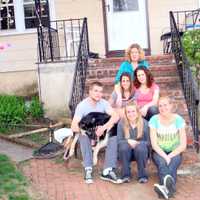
x=146 y=92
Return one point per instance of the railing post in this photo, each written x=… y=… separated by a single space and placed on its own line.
x=49 y=32
x=88 y=46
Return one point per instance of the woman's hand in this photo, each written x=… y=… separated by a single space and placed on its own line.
x=100 y=130
x=167 y=159
x=144 y=110
x=133 y=143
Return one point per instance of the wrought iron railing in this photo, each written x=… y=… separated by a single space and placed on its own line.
x=60 y=40
x=48 y=44
x=189 y=85
x=185 y=20
x=80 y=69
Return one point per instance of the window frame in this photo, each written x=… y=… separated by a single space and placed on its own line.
x=20 y=19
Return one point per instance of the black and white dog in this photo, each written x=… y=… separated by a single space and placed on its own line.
x=88 y=125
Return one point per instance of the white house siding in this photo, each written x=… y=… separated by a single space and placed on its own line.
x=92 y=9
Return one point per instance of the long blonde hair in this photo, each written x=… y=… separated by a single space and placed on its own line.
x=139 y=122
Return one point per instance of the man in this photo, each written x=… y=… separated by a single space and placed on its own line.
x=95 y=103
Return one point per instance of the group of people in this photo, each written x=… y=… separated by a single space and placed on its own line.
x=147 y=127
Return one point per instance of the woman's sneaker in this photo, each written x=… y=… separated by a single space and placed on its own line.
x=169 y=183
x=112 y=177
x=161 y=190
x=88 y=176
x=143 y=180
x=125 y=179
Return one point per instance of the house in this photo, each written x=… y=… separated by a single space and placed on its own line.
x=112 y=26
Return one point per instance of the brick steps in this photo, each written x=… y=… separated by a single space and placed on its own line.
x=163 y=69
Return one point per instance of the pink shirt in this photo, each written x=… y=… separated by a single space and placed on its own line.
x=144 y=98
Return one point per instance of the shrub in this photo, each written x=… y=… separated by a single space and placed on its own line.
x=35 y=109
x=191 y=45
x=12 y=111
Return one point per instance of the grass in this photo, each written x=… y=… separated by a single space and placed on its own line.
x=38 y=138
x=13 y=184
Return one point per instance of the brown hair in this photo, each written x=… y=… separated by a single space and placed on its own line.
x=139 y=122
x=95 y=83
x=149 y=77
x=140 y=50
x=131 y=85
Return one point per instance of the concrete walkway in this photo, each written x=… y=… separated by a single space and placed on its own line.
x=16 y=152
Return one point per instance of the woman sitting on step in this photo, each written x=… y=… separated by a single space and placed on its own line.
x=146 y=92
x=168 y=139
x=119 y=100
x=135 y=58
x=133 y=142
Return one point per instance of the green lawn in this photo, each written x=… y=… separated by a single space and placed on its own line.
x=12 y=183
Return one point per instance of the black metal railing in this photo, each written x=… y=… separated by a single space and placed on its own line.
x=79 y=79
x=48 y=44
x=60 y=40
x=189 y=85
x=185 y=20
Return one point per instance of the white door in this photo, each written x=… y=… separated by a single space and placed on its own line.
x=126 y=23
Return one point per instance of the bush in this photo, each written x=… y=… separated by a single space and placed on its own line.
x=12 y=110
x=35 y=109
x=191 y=46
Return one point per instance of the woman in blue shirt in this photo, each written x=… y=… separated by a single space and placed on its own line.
x=135 y=58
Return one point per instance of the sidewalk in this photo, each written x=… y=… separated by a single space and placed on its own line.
x=16 y=152
x=61 y=181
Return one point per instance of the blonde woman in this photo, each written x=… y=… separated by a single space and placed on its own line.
x=168 y=139
x=133 y=142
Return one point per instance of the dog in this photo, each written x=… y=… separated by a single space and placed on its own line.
x=88 y=125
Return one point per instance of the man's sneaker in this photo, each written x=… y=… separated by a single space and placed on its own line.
x=88 y=176
x=126 y=180
x=143 y=180
x=161 y=190
x=169 y=183
x=112 y=177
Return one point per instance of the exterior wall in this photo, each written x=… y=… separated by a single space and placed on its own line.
x=17 y=65
x=21 y=83
x=92 y=9
x=22 y=55
x=55 y=81
x=159 y=18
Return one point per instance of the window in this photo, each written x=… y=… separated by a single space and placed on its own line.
x=20 y=16
x=7 y=15
x=30 y=15
x=125 y=5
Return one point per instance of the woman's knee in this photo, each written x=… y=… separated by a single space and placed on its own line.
x=123 y=147
x=141 y=148
x=158 y=160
